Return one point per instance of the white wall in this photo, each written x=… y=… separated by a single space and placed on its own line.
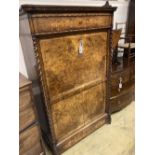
x=22 y=67
x=122 y=10
x=119 y=16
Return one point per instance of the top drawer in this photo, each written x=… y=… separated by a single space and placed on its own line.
x=47 y=23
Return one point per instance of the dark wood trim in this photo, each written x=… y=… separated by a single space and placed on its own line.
x=64 y=9
x=45 y=94
x=130 y=29
x=71 y=32
x=108 y=86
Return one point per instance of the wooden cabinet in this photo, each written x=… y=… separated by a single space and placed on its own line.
x=122 y=84
x=123 y=68
x=29 y=137
x=72 y=48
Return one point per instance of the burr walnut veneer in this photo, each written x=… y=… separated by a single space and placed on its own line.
x=72 y=47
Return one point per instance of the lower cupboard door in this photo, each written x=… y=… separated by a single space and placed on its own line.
x=68 y=116
x=73 y=113
x=94 y=103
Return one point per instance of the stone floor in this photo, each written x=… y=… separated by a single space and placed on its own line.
x=114 y=139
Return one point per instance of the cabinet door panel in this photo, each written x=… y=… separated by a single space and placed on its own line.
x=65 y=68
x=75 y=70
x=68 y=116
x=94 y=102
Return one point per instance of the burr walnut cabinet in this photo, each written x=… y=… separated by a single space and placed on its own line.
x=72 y=47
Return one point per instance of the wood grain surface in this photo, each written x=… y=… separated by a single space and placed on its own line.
x=69 y=73
x=65 y=68
x=44 y=23
x=29 y=131
x=30 y=142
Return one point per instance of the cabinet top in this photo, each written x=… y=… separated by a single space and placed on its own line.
x=33 y=8
x=23 y=81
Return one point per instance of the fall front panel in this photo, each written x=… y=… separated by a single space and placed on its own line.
x=75 y=75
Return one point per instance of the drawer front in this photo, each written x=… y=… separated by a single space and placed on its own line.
x=29 y=141
x=68 y=22
x=124 y=76
x=25 y=98
x=26 y=117
x=26 y=109
x=66 y=68
x=122 y=101
x=125 y=87
x=35 y=150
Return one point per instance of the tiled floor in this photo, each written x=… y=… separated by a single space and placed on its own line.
x=114 y=139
